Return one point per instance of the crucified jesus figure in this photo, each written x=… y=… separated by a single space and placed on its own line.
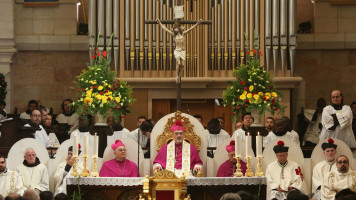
x=178 y=34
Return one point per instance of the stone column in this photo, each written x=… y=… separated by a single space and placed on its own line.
x=7 y=46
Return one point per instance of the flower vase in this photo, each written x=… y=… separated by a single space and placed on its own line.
x=257 y=119
x=101 y=120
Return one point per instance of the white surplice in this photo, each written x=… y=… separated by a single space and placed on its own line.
x=320 y=170
x=34 y=177
x=215 y=139
x=41 y=135
x=335 y=181
x=284 y=176
x=61 y=174
x=343 y=131
x=118 y=135
x=292 y=135
x=11 y=182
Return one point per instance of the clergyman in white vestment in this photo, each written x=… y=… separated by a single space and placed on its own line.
x=33 y=173
x=41 y=134
x=282 y=128
x=10 y=181
x=335 y=181
x=64 y=170
x=284 y=175
x=337 y=121
x=215 y=134
x=324 y=167
x=247 y=121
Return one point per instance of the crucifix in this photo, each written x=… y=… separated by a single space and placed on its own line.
x=178 y=35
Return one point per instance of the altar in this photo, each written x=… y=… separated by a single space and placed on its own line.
x=204 y=188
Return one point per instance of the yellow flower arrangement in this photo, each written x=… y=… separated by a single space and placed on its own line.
x=100 y=92
x=253 y=89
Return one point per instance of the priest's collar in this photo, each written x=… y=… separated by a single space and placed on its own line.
x=330 y=163
x=282 y=164
x=178 y=145
x=68 y=114
x=34 y=125
x=344 y=173
x=337 y=107
x=243 y=128
x=120 y=161
x=37 y=162
x=233 y=164
x=277 y=133
x=84 y=129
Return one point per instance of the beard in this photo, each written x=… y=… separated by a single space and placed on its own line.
x=2 y=169
x=343 y=169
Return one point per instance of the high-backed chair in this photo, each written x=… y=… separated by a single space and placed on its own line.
x=318 y=155
x=164 y=185
x=17 y=152
x=195 y=134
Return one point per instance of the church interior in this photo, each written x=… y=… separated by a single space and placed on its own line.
x=308 y=46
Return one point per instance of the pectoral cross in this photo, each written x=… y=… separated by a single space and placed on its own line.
x=179 y=39
x=299 y=172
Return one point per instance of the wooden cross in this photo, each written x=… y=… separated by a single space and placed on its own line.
x=180 y=67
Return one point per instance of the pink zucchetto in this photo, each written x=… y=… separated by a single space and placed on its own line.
x=178 y=126
x=117 y=144
x=230 y=147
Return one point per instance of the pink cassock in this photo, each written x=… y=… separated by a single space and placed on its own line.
x=227 y=169
x=114 y=168
x=161 y=157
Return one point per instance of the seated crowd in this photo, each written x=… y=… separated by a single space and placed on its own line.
x=330 y=177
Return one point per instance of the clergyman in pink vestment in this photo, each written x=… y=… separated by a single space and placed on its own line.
x=178 y=156
x=119 y=166
x=228 y=168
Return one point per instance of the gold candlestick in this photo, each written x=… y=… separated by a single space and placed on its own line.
x=238 y=172
x=94 y=173
x=75 y=171
x=259 y=171
x=249 y=172
x=85 y=172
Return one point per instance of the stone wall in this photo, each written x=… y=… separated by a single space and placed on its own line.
x=322 y=72
x=45 y=76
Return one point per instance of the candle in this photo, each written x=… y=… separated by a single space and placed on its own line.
x=237 y=147
x=259 y=145
x=96 y=139
x=75 y=146
x=248 y=145
x=86 y=145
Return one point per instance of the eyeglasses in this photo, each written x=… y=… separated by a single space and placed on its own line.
x=120 y=150
x=34 y=155
x=342 y=162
